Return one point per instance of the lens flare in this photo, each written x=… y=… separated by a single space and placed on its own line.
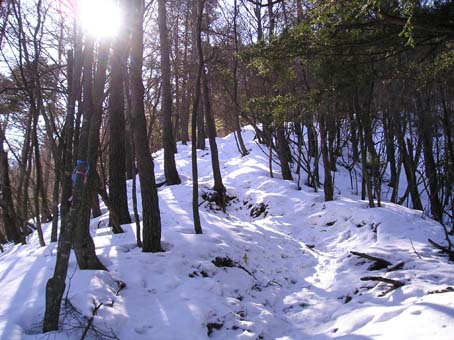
x=100 y=18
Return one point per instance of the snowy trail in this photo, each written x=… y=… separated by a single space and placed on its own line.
x=291 y=274
x=297 y=291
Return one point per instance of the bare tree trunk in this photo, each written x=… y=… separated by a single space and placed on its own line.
x=22 y=187
x=195 y=105
x=328 y=182
x=56 y=285
x=177 y=78
x=150 y=202
x=354 y=138
x=55 y=200
x=170 y=168
x=94 y=138
x=258 y=16
x=218 y=185
x=38 y=176
x=391 y=155
x=408 y=160
x=7 y=208
x=284 y=153
x=271 y=18
x=299 y=11
x=184 y=107
x=84 y=246
x=201 y=145
x=117 y=171
x=195 y=57
x=236 y=105
x=425 y=130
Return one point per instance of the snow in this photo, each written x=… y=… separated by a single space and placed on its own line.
x=293 y=276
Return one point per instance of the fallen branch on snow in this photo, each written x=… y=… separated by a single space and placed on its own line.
x=446 y=250
x=379 y=262
x=94 y=311
x=394 y=283
x=228 y=262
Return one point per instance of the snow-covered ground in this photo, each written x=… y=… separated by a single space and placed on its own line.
x=285 y=274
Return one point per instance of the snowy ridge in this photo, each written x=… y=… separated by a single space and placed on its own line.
x=286 y=274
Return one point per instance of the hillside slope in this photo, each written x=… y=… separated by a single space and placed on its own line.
x=287 y=273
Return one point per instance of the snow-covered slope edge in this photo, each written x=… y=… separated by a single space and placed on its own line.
x=293 y=274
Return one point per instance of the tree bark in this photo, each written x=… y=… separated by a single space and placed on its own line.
x=83 y=244
x=408 y=160
x=328 y=182
x=10 y=221
x=184 y=108
x=284 y=155
x=150 y=203
x=195 y=105
x=55 y=286
x=170 y=168
x=195 y=57
x=426 y=134
x=236 y=105
x=117 y=153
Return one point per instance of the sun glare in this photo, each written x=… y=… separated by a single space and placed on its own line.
x=100 y=18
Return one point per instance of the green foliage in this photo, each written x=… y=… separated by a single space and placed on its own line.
x=345 y=46
x=439 y=69
x=277 y=108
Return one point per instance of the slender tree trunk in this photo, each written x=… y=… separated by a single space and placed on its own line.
x=218 y=185
x=55 y=200
x=406 y=151
x=47 y=217
x=184 y=111
x=201 y=144
x=328 y=182
x=354 y=139
x=332 y=129
x=271 y=18
x=129 y=160
x=300 y=141
x=195 y=57
x=367 y=182
x=315 y=155
x=391 y=155
x=134 y=194
x=299 y=11
x=94 y=138
x=425 y=130
x=236 y=105
x=56 y=285
x=170 y=168
x=258 y=16
x=22 y=187
x=195 y=105
x=363 y=130
x=130 y=141
x=177 y=78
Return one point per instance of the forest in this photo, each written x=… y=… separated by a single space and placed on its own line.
x=149 y=120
